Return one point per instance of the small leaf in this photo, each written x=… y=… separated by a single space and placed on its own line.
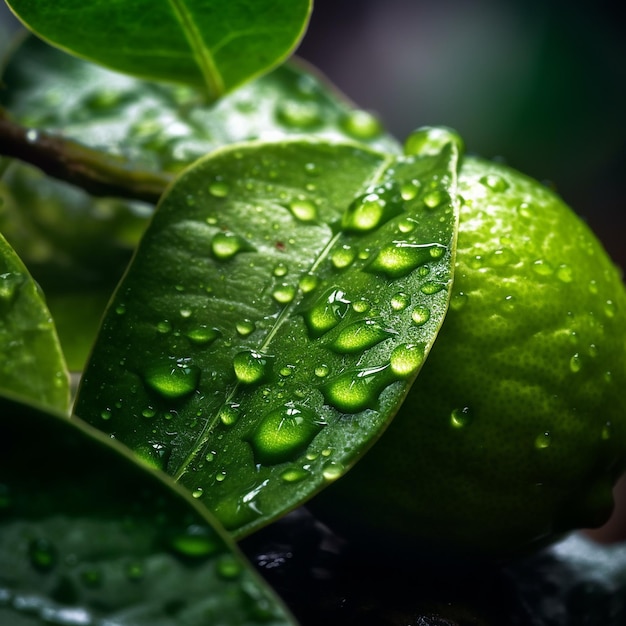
x=31 y=361
x=265 y=335
x=212 y=43
x=90 y=536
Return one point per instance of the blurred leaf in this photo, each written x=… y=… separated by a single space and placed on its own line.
x=31 y=361
x=280 y=304
x=206 y=43
x=90 y=536
x=161 y=127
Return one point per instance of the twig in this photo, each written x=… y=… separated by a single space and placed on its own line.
x=96 y=172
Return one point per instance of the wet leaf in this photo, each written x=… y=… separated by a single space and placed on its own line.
x=90 y=536
x=281 y=302
x=31 y=362
x=209 y=43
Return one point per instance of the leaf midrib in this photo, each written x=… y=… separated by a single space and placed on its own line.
x=284 y=315
x=202 y=54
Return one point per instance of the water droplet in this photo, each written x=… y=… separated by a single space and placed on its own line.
x=609 y=308
x=245 y=327
x=148 y=412
x=575 y=363
x=420 y=315
x=343 y=257
x=361 y=306
x=430 y=140
x=360 y=335
x=43 y=555
x=525 y=210
x=409 y=190
x=9 y=284
x=542 y=268
x=196 y=541
x=185 y=313
x=332 y=470
x=251 y=366
x=607 y=431
x=321 y=371
x=360 y=124
x=298 y=114
x=284 y=293
x=164 y=327
x=106 y=414
x=229 y=414
x=460 y=418
x=197 y=493
x=406 y=359
x=120 y=309
x=203 y=335
x=543 y=440
x=357 y=389
x=369 y=211
x=225 y=245
x=432 y=287
x=327 y=312
x=407 y=225
x=501 y=257
x=295 y=474
x=173 y=379
x=593 y=287
x=400 y=301
x=308 y=282
x=494 y=182
x=219 y=189
x=593 y=350
x=402 y=257
x=228 y=568
x=303 y=210
x=280 y=270
x=284 y=433
x=565 y=273
x=436 y=198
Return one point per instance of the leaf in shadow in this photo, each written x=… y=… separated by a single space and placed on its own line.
x=31 y=361
x=280 y=304
x=209 y=43
x=90 y=536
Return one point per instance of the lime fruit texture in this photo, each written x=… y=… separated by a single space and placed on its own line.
x=515 y=430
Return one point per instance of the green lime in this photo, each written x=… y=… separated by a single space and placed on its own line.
x=515 y=430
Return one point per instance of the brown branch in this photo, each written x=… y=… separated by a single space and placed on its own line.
x=96 y=172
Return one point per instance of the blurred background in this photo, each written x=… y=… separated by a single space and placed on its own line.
x=538 y=83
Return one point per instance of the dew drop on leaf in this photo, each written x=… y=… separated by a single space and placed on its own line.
x=219 y=189
x=359 y=336
x=343 y=257
x=303 y=210
x=409 y=190
x=9 y=284
x=432 y=287
x=369 y=211
x=203 y=335
x=251 y=366
x=228 y=568
x=355 y=390
x=543 y=441
x=436 y=198
x=284 y=433
x=229 y=414
x=399 y=258
x=284 y=293
x=459 y=418
x=361 y=124
x=308 y=282
x=406 y=359
x=494 y=182
x=196 y=541
x=173 y=379
x=399 y=301
x=575 y=363
x=332 y=470
x=295 y=474
x=225 y=245
x=245 y=327
x=299 y=114
x=327 y=312
x=430 y=140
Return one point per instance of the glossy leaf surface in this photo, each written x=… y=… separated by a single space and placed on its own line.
x=280 y=304
x=211 y=43
x=90 y=536
x=31 y=362
x=78 y=259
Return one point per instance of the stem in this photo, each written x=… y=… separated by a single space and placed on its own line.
x=97 y=173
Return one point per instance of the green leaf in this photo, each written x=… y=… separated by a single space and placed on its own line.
x=88 y=535
x=280 y=304
x=163 y=127
x=31 y=361
x=212 y=43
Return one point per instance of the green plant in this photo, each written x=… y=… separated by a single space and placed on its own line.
x=264 y=334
